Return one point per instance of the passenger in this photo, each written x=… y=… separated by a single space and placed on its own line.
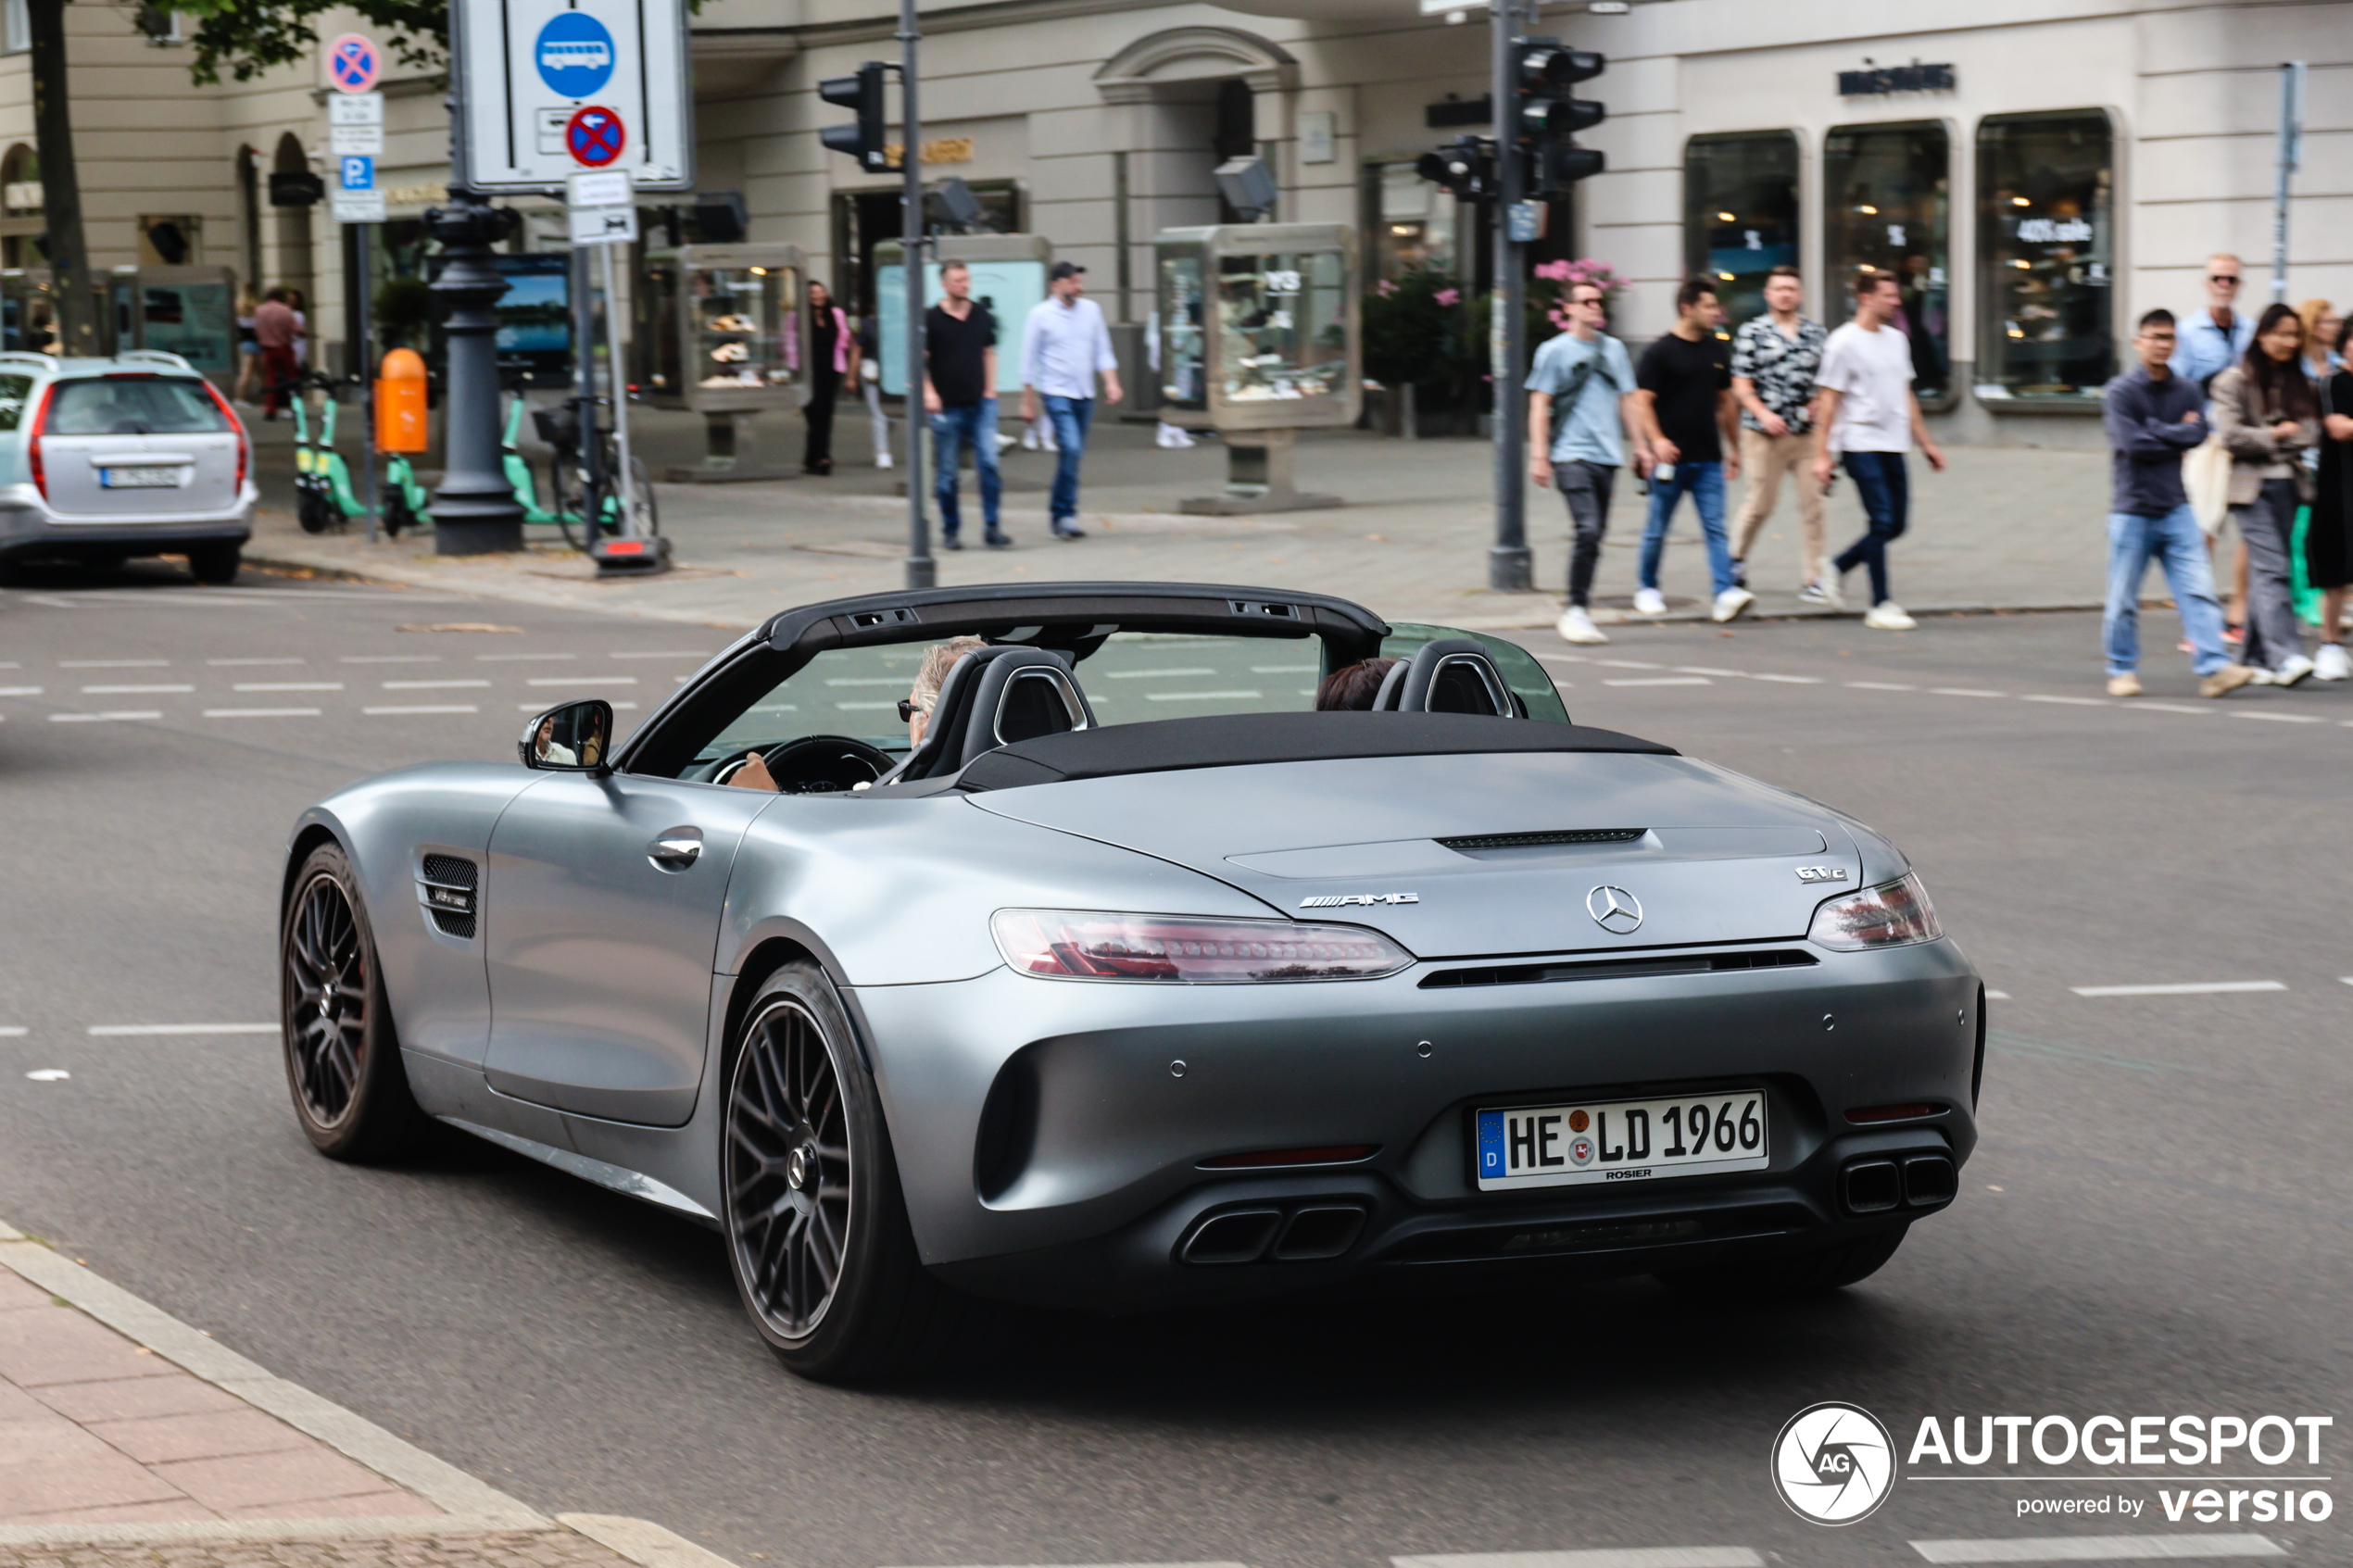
x=1352 y=687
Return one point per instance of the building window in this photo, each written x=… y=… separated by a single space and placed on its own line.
x=1740 y=213
x=1412 y=221
x=2046 y=242
x=16 y=27
x=1886 y=205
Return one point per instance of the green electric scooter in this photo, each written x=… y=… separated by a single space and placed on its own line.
x=324 y=496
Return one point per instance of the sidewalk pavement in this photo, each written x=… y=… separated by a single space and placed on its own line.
x=129 y=1439
x=2005 y=528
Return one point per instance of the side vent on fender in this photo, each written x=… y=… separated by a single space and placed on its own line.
x=446 y=887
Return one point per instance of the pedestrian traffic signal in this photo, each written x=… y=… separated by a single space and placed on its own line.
x=1466 y=166
x=1545 y=118
x=864 y=92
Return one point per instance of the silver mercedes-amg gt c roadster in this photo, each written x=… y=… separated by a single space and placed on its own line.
x=1137 y=981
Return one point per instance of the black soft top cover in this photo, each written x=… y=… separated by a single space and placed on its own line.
x=1235 y=740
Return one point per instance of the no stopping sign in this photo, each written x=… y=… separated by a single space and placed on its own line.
x=594 y=136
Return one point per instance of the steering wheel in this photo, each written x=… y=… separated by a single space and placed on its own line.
x=813 y=764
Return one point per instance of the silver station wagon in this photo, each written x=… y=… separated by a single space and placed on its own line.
x=104 y=459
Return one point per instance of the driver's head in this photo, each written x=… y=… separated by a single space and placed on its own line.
x=546 y=734
x=1352 y=687
x=938 y=659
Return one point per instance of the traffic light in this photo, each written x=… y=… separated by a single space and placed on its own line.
x=864 y=92
x=1545 y=118
x=1466 y=166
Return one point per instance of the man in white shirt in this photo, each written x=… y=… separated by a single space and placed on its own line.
x=1063 y=345
x=1867 y=412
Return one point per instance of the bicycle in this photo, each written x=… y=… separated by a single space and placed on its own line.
x=567 y=483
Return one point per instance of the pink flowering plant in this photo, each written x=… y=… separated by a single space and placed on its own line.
x=1413 y=327
x=1549 y=298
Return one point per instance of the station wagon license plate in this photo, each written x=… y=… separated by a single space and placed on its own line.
x=139 y=479
x=1633 y=1140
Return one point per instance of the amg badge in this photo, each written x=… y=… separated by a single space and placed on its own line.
x=1821 y=873
x=1340 y=900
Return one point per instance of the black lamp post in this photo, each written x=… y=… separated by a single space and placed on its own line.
x=474 y=512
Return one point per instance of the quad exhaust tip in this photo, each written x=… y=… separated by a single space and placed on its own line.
x=1310 y=1233
x=1919 y=1181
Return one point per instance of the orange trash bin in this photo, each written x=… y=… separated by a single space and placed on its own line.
x=400 y=402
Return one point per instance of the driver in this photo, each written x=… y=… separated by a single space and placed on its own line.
x=551 y=751
x=916 y=708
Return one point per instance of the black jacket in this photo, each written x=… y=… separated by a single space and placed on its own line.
x=2148 y=435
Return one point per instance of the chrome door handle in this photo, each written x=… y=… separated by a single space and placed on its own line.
x=675 y=850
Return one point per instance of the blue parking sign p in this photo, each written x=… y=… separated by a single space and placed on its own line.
x=358 y=172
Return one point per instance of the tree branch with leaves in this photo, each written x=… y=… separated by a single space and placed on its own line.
x=245 y=38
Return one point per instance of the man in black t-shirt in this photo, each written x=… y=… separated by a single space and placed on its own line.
x=960 y=394
x=1684 y=387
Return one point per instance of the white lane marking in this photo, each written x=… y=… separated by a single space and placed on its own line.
x=48 y=1075
x=14 y=1030
x=1605 y=1557
x=1880 y=686
x=867 y=680
x=522 y=658
x=1283 y=670
x=9 y=664
x=1565 y=658
x=288 y=687
x=1628 y=664
x=102 y=717
x=864 y=707
x=658 y=653
x=428 y=686
x=1793 y=680
x=2282 y=718
x=114 y=664
x=541 y=707
x=261 y=713
x=2163 y=708
x=1661 y=681
x=1997 y=996
x=1155 y=674
x=426 y=708
x=1197 y=696
x=19 y=691
x=2099 y=1549
x=128 y=1029
x=1962 y=691
x=2200 y=988
x=582 y=681
x=2073 y=702
x=132 y=691
x=1733 y=674
x=2344 y=979
x=391 y=659
x=229 y=663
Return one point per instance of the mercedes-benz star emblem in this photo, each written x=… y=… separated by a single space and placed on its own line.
x=1615 y=910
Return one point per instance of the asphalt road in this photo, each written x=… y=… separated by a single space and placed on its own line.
x=2156 y=1223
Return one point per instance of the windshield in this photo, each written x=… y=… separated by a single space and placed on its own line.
x=135 y=405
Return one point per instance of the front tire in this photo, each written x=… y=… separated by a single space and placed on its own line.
x=342 y=1061
x=816 y=1225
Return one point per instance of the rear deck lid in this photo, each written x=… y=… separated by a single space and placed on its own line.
x=133 y=446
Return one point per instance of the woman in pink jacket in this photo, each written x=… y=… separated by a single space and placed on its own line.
x=832 y=358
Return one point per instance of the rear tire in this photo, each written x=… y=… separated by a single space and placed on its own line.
x=342 y=1061
x=216 y=564
x=1807 y=1274
x=313 y=511
x=815 y=1221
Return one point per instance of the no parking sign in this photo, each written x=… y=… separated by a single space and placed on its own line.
x=594 y=136
x=353 y=63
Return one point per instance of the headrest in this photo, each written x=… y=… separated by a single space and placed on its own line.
x=1450 y=675
x=985 y=693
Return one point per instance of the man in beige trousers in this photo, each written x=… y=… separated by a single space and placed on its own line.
x=1774 y=359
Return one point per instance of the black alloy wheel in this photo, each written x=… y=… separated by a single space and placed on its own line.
x=343 y=1068
x=816 y=1223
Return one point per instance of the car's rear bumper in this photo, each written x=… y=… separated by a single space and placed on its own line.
x=29 y=528
x=1050 y=1148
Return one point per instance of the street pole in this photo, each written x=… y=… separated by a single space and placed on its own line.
x=922 y=570
x=2290 y=139
x=583 y=338
x=363 y=233
x=474 y=512
x=632 y=521
x=1509 y=566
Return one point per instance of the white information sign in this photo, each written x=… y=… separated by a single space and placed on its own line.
x=602 y=209
x=356 y=125
x=357 y=199
x=549 y=88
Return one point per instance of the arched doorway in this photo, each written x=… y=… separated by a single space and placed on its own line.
x=293 y=269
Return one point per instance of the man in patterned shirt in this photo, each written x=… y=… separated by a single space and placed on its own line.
x=1774 y=359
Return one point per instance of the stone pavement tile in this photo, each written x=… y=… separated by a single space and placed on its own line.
x=131 y=1398
x=126 y=1513
x=17 y=1291
x=506 y=1550
x=18 y=1405
x=210 y=1435
x=44 y=1345
x=51 y=1468
x=290 y=1477
x=365 y=1505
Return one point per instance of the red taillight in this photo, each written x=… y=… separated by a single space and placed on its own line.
x=245 y=442
x=33 y=440
x=1087 y=945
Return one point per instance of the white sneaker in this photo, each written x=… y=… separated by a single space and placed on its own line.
x=2332 y=663
x=1812 y=595
x=882 y=458
x=1888 y=616
x=1577 y=626
x=1732 y=603
x=2258 y=676
x=1831 y=594
x=2295 y=670
x=1648 y=601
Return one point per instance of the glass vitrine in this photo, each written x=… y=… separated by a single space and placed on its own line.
x=732 y=325
x=1886 y=206
x=1259 y=326
x=2046 y=245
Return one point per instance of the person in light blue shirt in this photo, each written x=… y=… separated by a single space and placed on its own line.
x=2216 y=338
x=1064 y=344
x=1581 y=405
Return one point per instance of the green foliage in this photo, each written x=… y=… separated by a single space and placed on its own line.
x=248 y=37
x=403 y=309
x=1413 y=329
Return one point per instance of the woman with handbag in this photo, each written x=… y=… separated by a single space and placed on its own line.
x=832 y=358
x=2268 y=416
x=2328 y=540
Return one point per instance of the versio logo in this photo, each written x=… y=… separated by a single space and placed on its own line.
x=1834 y=1464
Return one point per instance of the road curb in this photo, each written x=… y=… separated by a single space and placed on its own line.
x=198 y=1532
x=439 y=1482
x=642 y=1541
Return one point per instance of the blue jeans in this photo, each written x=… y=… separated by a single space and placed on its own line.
x=2175 y=542
x=1885 y=490
x=1703 y=482
x=1071 y=417
x=950 y=430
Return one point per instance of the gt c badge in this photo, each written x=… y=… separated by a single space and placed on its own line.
x=1342 y=900
x=1821 y=873
x=1615 y=910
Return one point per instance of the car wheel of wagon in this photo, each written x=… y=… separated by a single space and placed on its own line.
x=216 y=564
x=1807 y=1274
x=342 y=1063
x=817 y=1231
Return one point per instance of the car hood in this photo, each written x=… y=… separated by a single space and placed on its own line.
x=1710 y=857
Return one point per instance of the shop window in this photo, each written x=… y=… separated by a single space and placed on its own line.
x=1740 y=214
x=2046 y=240
x=1886 y=205
x=16 y=27
x=1412 y=221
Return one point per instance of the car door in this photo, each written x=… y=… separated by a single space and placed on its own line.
x=601 y=910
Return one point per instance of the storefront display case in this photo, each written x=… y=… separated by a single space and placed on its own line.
x=190 y=311
x=2046 y=242
x=1260 y=326
x=1886 y=205
x=722 y=329
x=1008 y=276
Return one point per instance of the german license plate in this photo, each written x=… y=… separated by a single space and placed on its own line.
x=139 y=479
x=1630 y=1140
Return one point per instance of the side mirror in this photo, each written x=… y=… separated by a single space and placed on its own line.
x=571 y=739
